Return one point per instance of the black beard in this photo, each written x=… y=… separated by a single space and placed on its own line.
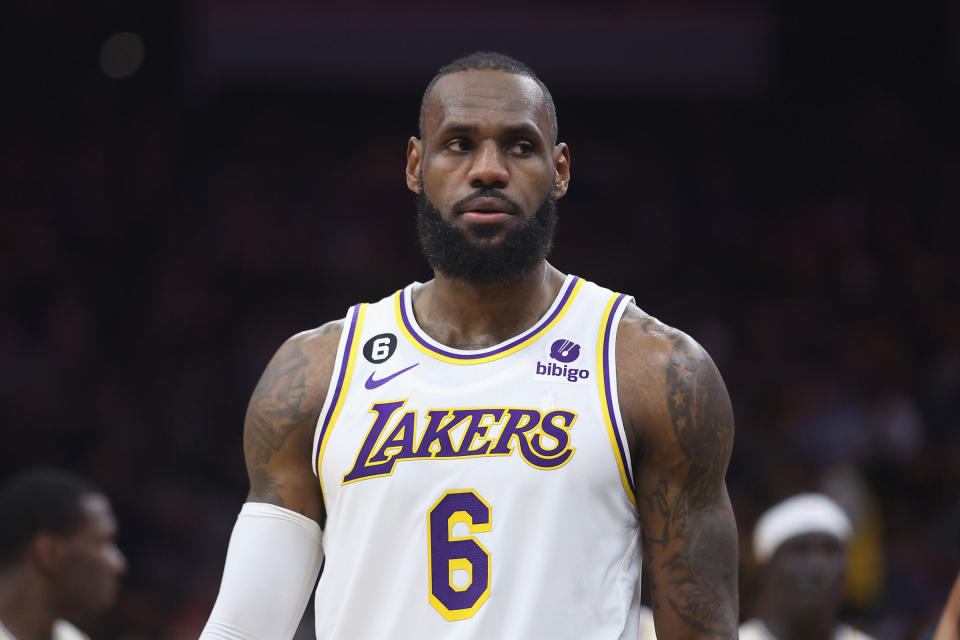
x=451 y=252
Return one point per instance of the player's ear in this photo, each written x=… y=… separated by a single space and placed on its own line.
x=414 y=156
x=561 y=165
x=46 y=549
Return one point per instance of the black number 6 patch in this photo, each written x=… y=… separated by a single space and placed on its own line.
x=379 y=348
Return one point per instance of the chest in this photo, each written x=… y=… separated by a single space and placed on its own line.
x=431 y=422
x=536 y=414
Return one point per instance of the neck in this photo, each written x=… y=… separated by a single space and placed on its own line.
x=466 y=315
x=25 y=604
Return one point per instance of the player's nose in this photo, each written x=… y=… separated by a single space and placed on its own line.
x=118 y=560
x=489 y=167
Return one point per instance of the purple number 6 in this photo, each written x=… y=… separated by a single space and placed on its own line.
x=448 y=553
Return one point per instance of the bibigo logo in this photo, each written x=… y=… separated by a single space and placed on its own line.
x=563 y=351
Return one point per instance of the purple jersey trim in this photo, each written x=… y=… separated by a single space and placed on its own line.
x=607 y=388
x=344 y=361
x=485 y=353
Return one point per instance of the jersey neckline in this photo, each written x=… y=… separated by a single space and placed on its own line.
x=403 y=306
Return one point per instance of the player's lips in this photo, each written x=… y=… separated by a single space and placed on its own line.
x=478 y=208
x=485 y=217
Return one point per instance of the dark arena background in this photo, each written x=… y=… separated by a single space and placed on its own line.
x=186 y=184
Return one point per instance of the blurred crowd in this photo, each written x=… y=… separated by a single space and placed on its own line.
x=156 y=249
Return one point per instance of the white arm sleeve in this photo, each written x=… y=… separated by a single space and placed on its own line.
x=272 y=564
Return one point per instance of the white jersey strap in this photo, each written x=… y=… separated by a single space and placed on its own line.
x=607 y=381
x=339 y=385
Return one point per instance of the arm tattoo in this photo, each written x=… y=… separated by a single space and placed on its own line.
x=330 y=327
x=696 y=400
x=691 y=549
x=268 y=488
x=275 y=409
x=279 y=409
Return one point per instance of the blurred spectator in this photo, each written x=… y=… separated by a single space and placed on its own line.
x=59 y=563
x=800 y=546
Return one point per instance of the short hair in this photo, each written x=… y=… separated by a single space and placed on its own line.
x=490 y=61
x=38 y=500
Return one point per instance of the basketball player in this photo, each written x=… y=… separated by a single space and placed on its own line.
x=58 y=556
x=800 y=546
x=476 y=456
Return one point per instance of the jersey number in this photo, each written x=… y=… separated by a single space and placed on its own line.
x=381 y=349
x=449 y=553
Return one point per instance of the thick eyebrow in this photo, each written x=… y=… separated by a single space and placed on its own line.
x=456 y=127
x=514 y=130
x=524 y=131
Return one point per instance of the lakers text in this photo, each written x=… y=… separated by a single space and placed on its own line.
x=542 y=439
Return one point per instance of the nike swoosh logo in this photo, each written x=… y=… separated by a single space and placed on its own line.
x=373 y=384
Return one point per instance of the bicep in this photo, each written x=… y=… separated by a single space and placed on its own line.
x=690 y=536
x=280 y=422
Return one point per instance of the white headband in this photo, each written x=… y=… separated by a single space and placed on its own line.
x=796 y=516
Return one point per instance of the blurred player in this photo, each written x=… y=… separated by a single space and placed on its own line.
x=488 y=444
x=800 y=546
x=58 y=556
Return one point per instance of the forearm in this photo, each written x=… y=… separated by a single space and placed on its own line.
x=272 y=564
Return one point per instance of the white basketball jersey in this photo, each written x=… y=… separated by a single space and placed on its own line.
x=478 y=494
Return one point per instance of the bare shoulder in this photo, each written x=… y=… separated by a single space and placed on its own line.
x=281 y=416
x=670 y=389
x=644 y=344
x=296 y=378
x=318 y=346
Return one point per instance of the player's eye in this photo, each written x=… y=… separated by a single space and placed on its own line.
x=520 y=148
x=459 y=145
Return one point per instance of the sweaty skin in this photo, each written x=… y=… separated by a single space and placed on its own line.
x=490 y=129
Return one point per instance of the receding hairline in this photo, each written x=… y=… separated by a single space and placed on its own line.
x=546 y=99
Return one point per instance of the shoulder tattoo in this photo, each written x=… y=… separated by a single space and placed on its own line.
x=275 y=408
x=701 y=417
x=281 y=405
